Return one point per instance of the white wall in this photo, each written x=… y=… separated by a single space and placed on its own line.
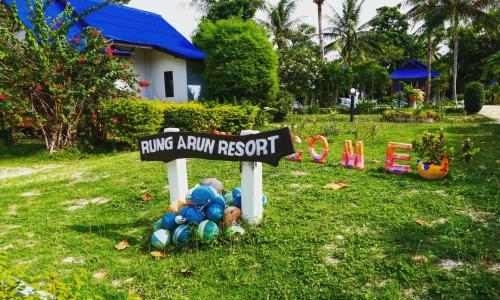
x=151 y=64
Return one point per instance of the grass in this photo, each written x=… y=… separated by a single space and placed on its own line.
x=313 y=243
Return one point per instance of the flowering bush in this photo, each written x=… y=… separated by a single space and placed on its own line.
x=58 y=79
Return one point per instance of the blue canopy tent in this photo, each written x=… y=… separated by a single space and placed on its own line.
x=412 y=72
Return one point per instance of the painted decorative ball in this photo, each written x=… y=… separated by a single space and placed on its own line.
x=202 y=195
x=171 y=220
x=219 y=200
x=194 y=215
x=207 y=231
x=228 y=198
x=215 y=184
x=234 y=230
x=231 y=215
x=161 y=238
x=214 y=212
x=237 y=197
x=183 y=211
x=157 y=225
x=188 y=195
x=182 y=235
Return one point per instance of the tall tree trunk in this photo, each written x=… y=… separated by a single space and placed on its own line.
x=320 y=30
x=455 y=59
x=429 y=67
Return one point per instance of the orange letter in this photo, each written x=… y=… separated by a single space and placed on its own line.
x=391 y=156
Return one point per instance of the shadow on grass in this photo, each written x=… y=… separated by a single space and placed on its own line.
x=116 y=232
x=22 y=149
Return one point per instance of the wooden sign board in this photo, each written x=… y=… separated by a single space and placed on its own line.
x=266 y=147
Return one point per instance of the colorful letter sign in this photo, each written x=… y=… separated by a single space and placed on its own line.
x=297 y=156
x=353 y=159
x=320 y=159
x=391 y=156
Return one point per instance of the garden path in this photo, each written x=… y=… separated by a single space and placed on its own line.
x=491 y=111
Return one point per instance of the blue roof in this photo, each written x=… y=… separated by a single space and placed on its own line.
x=413 y=69
x=123 y=24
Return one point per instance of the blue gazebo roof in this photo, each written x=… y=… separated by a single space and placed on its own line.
x=412 y=69
x=121 y=24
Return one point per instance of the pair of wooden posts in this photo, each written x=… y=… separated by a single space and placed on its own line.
x=251 y=184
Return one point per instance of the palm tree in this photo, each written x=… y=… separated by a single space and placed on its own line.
x=319 y=3
x=419 y=12
x=457 y=11
x=349 y=37
x=280 y=22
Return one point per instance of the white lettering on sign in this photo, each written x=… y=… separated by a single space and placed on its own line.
x=156 y=145
x=273 y=139
x=181 y=144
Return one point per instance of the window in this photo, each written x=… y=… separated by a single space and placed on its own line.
x=169 y=83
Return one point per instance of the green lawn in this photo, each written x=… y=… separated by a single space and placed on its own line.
x=313 y=243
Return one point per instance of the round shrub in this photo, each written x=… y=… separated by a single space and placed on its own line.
x=474 y=97
x=241 y=62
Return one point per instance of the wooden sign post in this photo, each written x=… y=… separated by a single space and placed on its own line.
x=252 y=148
x=251 y=189
x=177 y=178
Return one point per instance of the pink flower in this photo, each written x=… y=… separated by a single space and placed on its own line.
x=76 y=40
x=3 y=97
x=82 y=59
x=144 y=83
x=138 y=91
x=94 y=116
x=109 y=51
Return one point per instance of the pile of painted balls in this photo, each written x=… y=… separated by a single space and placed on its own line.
x=209 y=212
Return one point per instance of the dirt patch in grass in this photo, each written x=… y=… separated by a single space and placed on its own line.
x=76 y=204
x=18 y=172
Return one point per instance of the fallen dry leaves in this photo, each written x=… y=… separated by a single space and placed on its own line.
x=157 y=254
x=374 y=161
x=336 y=186
x=146 y=197
x=419 y=259
x=122 y=245
x=422 y=223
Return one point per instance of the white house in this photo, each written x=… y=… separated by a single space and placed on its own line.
x=162 y=56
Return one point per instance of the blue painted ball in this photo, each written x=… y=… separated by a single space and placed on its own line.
x=182 y=235
x=218 y=200
x=237 y=197
x=214 y=212
x=184 y=210
x=171 y=220
x=207 y=231
x=194 y=215
x=264 y=200
x=202 y=195
x=161 y=238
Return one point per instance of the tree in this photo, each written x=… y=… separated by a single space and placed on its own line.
x=371 y=77
x=280 y=21
x=302 y=37
x=320 y=3
x=420 y=12
x=390 y=28
x=59 y=82
x=299 y=70
x=225 y=9
x=457 y=11
x=349 y=38
x=241 y=62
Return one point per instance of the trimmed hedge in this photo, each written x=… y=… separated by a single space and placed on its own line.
x=410 y=115
x=194 y=116
x=129 y=119
x=474 y=97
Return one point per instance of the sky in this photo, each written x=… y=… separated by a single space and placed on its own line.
x=185 y=18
